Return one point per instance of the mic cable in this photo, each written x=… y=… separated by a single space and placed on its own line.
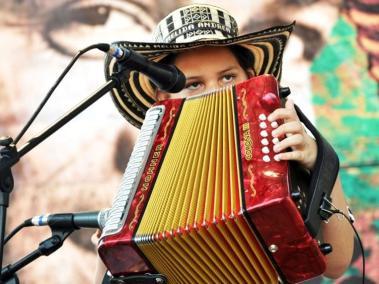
x=101 y=46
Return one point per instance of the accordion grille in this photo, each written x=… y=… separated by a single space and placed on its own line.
x=193 y=229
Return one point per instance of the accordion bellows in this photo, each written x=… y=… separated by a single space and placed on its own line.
x=203 y=199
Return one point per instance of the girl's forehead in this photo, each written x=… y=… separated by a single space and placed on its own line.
x=204 y=50
x=203 y=55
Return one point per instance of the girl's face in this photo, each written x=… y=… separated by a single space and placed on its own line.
x=206 y=68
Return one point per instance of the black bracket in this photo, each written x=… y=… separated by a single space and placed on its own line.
x=46 y=247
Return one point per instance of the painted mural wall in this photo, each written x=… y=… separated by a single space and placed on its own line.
x=331 y=65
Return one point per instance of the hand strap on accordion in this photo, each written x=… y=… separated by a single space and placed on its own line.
x=323 y=177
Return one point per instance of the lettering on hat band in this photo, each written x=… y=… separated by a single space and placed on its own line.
x=194 y=21
x=202 y=28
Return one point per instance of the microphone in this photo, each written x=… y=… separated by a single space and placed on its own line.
x=166 y=77
x=92 y=219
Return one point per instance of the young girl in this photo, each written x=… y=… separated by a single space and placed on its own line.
x=202 y=41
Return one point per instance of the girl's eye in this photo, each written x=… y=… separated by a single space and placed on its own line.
x=228 y=78
x=193 y=86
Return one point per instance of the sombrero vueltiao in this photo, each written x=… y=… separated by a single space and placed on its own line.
x=189 y=27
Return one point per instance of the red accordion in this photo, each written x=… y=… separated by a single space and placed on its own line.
x=203 y=199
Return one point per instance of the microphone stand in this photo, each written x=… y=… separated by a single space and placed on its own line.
x=9 y=156
x=46 y=247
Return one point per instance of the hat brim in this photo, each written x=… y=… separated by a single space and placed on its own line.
x=137 y=94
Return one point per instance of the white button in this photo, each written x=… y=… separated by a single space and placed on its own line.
x=262 y=116
x=264 y=141
x=263 y=125
x=274 y=124
x=266 y=158
x=265 y=150
x=275 y=140
x=264 y=133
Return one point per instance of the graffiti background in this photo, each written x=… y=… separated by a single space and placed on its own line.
x=331 y=65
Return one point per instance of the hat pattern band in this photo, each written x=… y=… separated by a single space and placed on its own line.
x=196 y=22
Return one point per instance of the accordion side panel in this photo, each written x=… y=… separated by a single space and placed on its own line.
x=267 y=189
x=295 y=248
x=114 y=248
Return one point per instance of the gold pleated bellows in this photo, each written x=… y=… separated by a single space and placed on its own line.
x=193 y=229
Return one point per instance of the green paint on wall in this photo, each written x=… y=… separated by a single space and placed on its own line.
x=375 y=226
x=336 y=52
x=357 y=187
x=347 y=108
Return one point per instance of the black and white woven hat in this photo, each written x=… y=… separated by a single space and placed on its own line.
x=187 y=28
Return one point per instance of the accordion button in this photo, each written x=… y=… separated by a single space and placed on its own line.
x=274 y=124
x=262 y=116
x=265 y=150
x=264 y=133
x=275 y=140
x=263 y=125
x=266 y=158
x=264 y=141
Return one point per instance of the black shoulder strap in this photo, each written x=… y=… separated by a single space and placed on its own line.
x=323 y=176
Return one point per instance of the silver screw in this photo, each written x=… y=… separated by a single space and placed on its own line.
x=159 y=280
x=273 y=248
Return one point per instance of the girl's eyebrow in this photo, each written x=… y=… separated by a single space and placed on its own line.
x=228 y=69
x=193 y=78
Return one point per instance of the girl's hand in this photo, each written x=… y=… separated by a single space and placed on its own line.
x=293 y=135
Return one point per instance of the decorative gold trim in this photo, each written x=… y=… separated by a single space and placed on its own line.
x=244 y=103
x=253 y=190
x=172 y=114
x=136 y=212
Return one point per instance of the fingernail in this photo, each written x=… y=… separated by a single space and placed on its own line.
x=276 y=148
x=274 y=132
x=274 y=124
x=277 y=158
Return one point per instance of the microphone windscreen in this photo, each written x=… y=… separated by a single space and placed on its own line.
x=180 y=82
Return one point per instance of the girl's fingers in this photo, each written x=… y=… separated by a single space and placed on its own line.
x=293 y=155
x=293 y=141
x=287 y=113
x=291 y=127
x=281 y=113
x=294 y=136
